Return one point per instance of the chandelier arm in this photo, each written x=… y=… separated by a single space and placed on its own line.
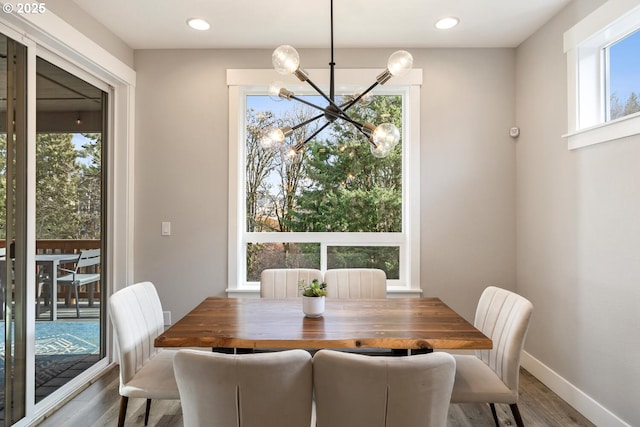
x=304 y=101
x=348 y=119
x=306 y=122
x=300 y=145
x=333 y=104
x=349 y=104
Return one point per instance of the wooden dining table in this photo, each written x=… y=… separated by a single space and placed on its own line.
x=253 y=323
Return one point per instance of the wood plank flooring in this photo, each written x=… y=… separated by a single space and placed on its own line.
x=98 y=406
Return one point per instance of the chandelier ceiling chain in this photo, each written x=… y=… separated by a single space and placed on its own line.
x=382 y=138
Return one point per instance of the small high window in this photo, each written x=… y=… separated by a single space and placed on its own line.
x=623 y=77
x=603 y=64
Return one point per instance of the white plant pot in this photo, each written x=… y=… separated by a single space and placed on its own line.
x=313 y=306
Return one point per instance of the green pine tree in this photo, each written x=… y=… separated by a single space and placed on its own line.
x=57 y=210
x=349 y=189
x=89 y=188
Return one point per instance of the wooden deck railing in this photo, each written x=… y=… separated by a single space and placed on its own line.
x=66 y=246
x=63 y=246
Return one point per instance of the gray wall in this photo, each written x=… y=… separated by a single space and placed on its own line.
x=578 y=228
x=467 y=168
x=89 y=26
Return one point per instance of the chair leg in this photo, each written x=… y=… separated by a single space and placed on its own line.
x=38 y=292
x=75 y=290
x=494 y=413
x=516 y=414
x=146 y=413
x=123 y=410
x=90 y=287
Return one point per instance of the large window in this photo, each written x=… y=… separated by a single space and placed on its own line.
x=604 y=75
x=333 y=206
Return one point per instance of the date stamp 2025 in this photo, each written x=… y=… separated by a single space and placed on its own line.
x=24 y=8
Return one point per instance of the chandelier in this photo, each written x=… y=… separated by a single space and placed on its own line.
x=382 y=138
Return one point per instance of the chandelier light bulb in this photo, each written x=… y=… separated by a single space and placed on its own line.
x=400 y=63
x=274 y=90
x=289 y=154
x=366 y=99
x=271 y=137
x=380 y=152
x=266 y=142
x=277 y=135
x=285 y=59
x=387 y=135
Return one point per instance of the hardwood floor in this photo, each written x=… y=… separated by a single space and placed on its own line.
x=98 y=406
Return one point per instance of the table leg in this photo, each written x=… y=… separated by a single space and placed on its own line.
x=54 y=290
x=420 y=351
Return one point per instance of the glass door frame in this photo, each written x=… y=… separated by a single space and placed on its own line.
x=24 y=314
x=48 y=34
x=68 y=66
x=23 y=221
x=106 y=143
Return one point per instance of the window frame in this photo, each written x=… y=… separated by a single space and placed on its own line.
x=585 y=47
x=246 y=82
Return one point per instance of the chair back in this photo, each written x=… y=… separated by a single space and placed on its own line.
x=283 y=282
x=356 y=283
x=503 y=316
x=136 y=315
x=248 y=390
x=88 y=258
x=355 y=390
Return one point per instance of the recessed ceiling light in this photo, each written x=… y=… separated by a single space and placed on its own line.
x=198 y=24
x=447 y=23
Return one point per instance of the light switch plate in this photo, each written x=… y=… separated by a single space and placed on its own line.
x=166 y=229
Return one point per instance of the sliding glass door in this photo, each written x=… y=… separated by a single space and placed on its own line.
x=70 y=130
x=13 y=226
x=53 y=121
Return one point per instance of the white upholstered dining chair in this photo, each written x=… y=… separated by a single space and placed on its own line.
x=145 y=371
x=356 y=283
x=283 y=282
x=354 y=390
x=492 y=376
x=248 y=390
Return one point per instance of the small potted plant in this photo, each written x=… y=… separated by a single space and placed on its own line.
x=313 y=297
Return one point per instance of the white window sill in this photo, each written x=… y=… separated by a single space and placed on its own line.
x=610 y=131
x=392 y=292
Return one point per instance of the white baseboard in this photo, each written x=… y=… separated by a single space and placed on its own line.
x=586 y=405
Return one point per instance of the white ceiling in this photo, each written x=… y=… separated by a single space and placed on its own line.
x=161 y=24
